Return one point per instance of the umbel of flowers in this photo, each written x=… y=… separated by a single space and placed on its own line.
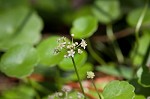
x=71 y=49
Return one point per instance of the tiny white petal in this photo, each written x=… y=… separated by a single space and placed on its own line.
x=71 y=53
x=80 y=51
x=90 y=74
x=66 y=88
x=76 y=43
x=72 y=35
x=83 y=44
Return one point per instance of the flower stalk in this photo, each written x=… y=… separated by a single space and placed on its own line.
x=78 y=77
x=96 y=89
x=91 y=75
x=71 y=49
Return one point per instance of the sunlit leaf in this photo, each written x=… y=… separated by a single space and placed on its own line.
x=7 y=4
x=66 y=63
x=18 y=26
x=139 y=89
x=143 y=45
x=84 y=27
x=20 y=92
x=122 y=71
x=139 y=97
x=144 y=75
x=106 y=11
x=46 y=51
x=19 y=61
x=83 y=11
x=134 y=15
x=118 y=90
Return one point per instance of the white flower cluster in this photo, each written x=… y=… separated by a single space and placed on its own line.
x=65 y=94
x=71 y=47
x=90 y=74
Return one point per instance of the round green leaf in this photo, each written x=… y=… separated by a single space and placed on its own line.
x=82 y=71
x=84 y=27
x=19 y=92
x=113 y=70
x=118 y=90
x=19 y=61
x=139 y=97
x=46 y=51
x=67 y=64
x=144 y=41
x=143 y=76
x=18 y=26
x=106 y=11
x=134 y=15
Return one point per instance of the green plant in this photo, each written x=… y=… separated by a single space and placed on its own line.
x=23 y=52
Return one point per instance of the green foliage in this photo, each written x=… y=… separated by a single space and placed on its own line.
x=139 y=97
x=18 y=26
x=9 y=4
x=19 y=61
x=20 y=92
x=118 y=90
x=118 y=71
x=134 y=15
x=84 y=27
x=144 y=75
x=20 y=30
x=82 y=71
x=106 y=11
x=46 y=52
x=140 y=89
x=141 y=50
x=80 y=59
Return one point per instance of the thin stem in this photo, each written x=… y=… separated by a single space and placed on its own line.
x=96 y=89
x=137 y=29
x=94 y=54
x=146 y=55
x=139 y=23
x=78 y=77
x=30 y=82
x=112 y=38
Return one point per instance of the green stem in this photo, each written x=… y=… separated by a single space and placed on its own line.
x=94 y=54
x=146 y=55
x=117 y=49
x=30 y=82
x=139 y=23
x=137 y=29
x=78 y=77
x=96 y=89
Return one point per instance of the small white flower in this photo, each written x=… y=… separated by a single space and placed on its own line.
x=148 y=97
x=73 y=44
x=71 y=53
x=62 y=45
x=79 y=95
x=72 y=35
x=83 y=44
x=65 y=56
x=76 y=43
x=51 y=97
x=66 y=88
x=90 y=74
x=58 y=94
x=68 y=46
x=80 y=51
